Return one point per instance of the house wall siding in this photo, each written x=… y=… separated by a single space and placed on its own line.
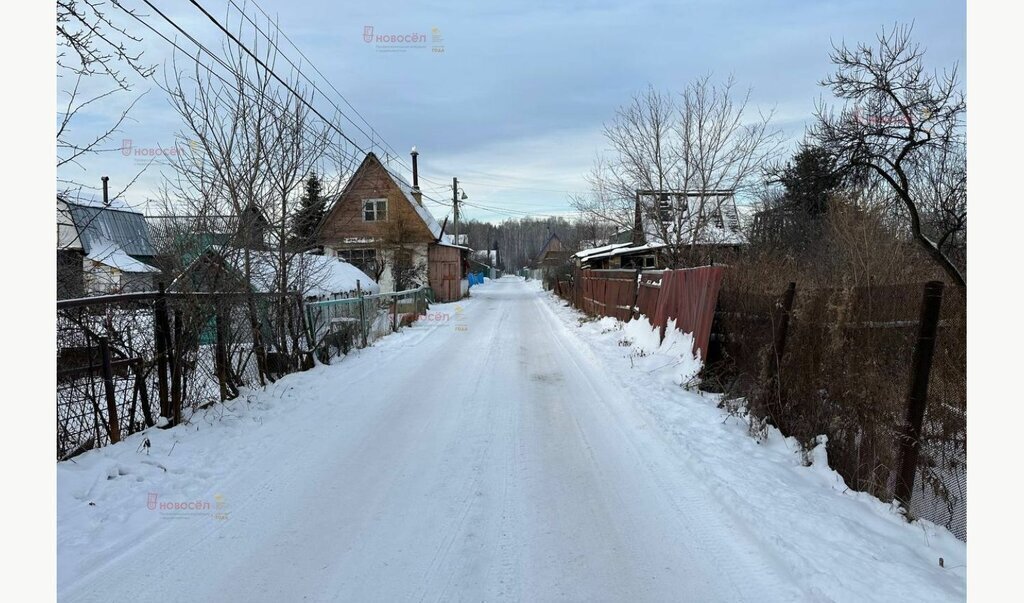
x=345 y=221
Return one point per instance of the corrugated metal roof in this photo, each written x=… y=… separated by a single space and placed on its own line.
x=99 y=226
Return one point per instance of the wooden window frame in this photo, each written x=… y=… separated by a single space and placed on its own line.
x=372 y=206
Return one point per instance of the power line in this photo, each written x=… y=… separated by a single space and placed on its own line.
x=298 y=70
x=329 y=83
x=213 y=56
x=270 y=71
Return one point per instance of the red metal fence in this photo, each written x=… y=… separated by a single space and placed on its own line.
x=687 y=296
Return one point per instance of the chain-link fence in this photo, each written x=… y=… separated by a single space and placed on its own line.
x=339 y=325
x=124 y=361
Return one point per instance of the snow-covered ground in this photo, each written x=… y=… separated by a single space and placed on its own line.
x=501 y=448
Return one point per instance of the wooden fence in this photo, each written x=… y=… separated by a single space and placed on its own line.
x=686 y=296
x=880 y=370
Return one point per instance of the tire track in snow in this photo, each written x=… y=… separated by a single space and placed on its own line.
x=760 y=573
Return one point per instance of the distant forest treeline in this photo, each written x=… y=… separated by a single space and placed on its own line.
x=520 y=239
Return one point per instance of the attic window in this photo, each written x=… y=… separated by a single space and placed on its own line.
x=375 y=210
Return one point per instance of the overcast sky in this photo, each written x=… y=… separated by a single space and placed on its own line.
x=515 y=103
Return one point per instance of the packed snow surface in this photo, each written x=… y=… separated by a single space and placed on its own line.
x=502 y=448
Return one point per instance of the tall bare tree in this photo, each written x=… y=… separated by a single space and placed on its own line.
x=902 y=125
x=704 y=140
x=97 y=59
x=250 y=140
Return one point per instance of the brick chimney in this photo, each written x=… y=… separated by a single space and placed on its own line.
x=416 y=178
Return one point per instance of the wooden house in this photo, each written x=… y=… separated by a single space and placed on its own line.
x=379 y=224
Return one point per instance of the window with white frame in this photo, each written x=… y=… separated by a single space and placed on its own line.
x=364 y=259
x=375 y=210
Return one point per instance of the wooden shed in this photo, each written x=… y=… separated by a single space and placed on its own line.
x=446 y=269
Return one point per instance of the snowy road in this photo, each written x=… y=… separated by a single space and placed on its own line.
x=482 y=455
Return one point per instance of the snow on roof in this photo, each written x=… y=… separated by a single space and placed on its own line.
x=110 y=254
x=586 y=253
x=312 y=275
x=422 y=212
x=623 y=249
x=489 y=256
x=448 y=240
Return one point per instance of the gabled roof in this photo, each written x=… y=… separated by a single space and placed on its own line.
x=547 y=244
x=399 y=182
x=99 y=226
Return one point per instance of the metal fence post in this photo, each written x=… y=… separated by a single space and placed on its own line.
x=362 y=317
x=917 y=394
x=162 y=337
x=176 y=370
x=108 y=386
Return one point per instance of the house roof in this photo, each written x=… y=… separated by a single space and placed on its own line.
x=400 y=183
x=98 y=226
x=620 y=249
x=313 y=275
x=547 y=244
x=110 y=254
x=587 y=253
x=486 y=256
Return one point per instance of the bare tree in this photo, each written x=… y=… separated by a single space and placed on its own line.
x=92 y=48
x=250 y=140
x=700 y=143
x=396 y=241
x=900 y=124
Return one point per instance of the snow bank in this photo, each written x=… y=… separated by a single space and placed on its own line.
x=111 y=499
x=834 y=543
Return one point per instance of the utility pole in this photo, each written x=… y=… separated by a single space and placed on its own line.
x=455 y=205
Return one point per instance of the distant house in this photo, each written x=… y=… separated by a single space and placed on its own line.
x=667 y=224
x=552 y=254
x=484 y=261
x=379 y=224
x=102 y=249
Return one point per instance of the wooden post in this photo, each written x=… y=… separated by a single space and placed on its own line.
x=176 y=371
x=162 y=348
x=917 y=393
x=108 y=386
x=220 y=356
x=782 y=329
x=394 y=314
x=140 y=384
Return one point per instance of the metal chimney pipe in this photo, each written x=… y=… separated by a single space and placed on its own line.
x=105 y=179
x=638 y=224
x=415 y=169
